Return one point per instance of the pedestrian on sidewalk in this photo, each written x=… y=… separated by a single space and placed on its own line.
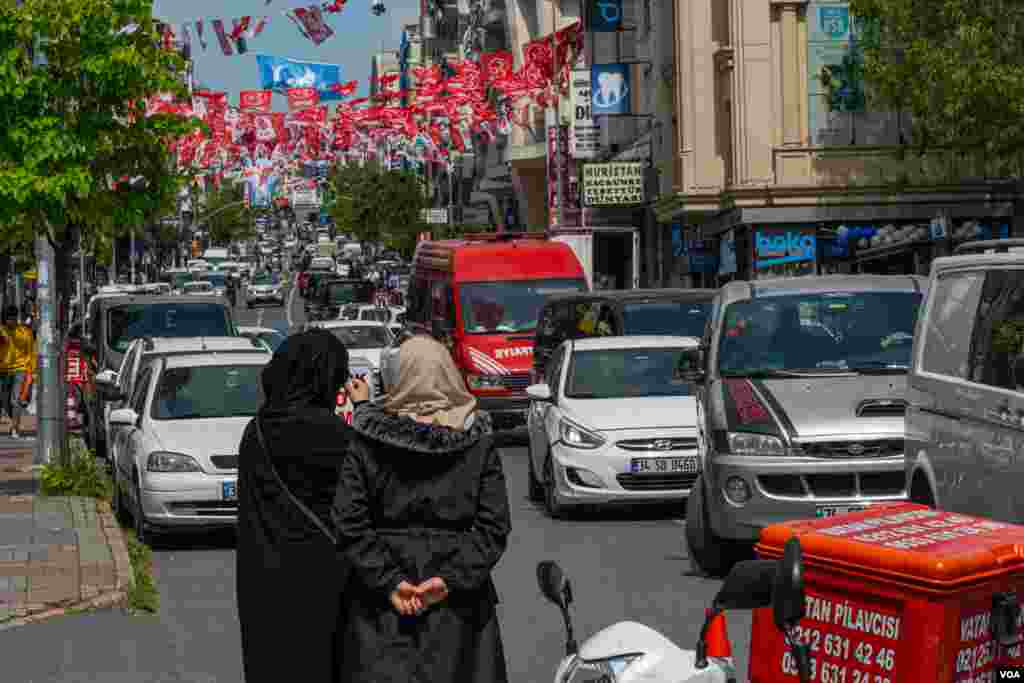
x=17 y=367
x=422 y=516
x=290 y=575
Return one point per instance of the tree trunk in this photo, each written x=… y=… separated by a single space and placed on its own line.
x=62 y=255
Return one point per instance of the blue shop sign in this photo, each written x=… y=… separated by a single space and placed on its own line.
x=788 y=246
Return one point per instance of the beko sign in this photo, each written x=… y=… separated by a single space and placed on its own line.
x=791 y=246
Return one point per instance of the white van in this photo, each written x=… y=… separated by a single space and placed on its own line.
x=965 y=413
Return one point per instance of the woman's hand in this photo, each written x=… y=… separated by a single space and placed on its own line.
x=432 y=591
x=406 y=600
x=358 y=390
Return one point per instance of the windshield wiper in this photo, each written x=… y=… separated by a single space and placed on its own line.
x=764 y=373
x=876 y=367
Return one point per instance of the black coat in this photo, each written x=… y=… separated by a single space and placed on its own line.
x=415 y=502
x=290 y=576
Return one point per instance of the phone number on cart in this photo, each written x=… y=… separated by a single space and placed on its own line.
x=833 y=646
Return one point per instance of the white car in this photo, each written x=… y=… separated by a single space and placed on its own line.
x=178 y=466
x=362 y=339
x=389 y=315
x=614 y=422
x=202 y=288
x=266 y=335
x=116 y=387
x=264 y=291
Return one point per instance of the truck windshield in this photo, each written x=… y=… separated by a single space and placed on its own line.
x=819 y=333
x=679 y=318
x=127 y=323
x=494 y=307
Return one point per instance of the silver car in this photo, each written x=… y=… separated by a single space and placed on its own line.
x=802 y=401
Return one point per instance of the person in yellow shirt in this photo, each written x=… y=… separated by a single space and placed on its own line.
x=17 y=367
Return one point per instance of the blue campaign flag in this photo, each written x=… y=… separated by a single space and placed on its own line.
x=281 y=73
x=609 y=89
x=605 y=16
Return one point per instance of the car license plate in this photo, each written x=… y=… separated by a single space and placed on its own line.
x=832 y=511
x=230 y=490
x=685 y=465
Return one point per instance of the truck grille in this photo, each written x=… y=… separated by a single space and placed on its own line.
x=848 y=485
x=205 y=508
x=659 y=444
x=852 y=449
x=517 y=382
x=656 y=482
x=225 y=462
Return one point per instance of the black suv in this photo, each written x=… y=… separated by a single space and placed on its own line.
x=674 y=312
x=331 y=295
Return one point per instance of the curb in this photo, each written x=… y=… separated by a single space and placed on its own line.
x=124 y=579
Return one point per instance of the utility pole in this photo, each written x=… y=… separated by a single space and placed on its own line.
x=554 y=128
x=49 y=401
x=81 y=274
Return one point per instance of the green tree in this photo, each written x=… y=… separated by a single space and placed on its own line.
x=378 y=205
x=956 y=66
x=75 y=124
x=229 y=219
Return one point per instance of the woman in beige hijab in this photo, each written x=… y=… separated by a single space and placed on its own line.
x=422 y=517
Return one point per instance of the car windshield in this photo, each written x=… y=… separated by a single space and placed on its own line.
x=629 y=373
x=490 y=307
x=819 y=333
x=215 y=391
x=216 y=279
x=380 y=315
x=676 y=318
x=361 y=336
x=127 y=323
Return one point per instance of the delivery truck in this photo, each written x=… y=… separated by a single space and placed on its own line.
x=609 y=254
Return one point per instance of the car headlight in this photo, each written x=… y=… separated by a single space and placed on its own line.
x=603 y=670
x=579 y=437
x=171 y=462
x=484 y=382
x=746 y=443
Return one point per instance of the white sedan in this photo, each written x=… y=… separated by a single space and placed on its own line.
x=614 y=422
x=362 y=338
x=178 y=466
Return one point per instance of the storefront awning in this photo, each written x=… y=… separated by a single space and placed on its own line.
x=852 y=213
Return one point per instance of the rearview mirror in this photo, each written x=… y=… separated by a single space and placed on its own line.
x=107 y=377
x=690 y=367
x=539 y=392
x=748 y=586
x=788 y=590
x=124 y=417
x=553 y=584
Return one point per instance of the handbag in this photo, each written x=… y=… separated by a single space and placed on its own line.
x=312 y=516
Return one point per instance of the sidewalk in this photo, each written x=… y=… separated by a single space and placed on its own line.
x=57 y=554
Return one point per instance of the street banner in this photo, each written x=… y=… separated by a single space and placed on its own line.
x=281 y=73
x=609 y=88
x=302 y=98
x=255 y=100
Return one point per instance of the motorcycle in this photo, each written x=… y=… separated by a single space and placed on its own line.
x=629 y=652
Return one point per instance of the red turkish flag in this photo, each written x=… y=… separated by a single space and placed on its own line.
x=497 y=66
x=302 y=98
x=255 y=100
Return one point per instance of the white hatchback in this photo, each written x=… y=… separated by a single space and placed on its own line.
x=614 y=422
x=177 y=468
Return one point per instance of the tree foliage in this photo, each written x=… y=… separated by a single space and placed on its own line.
x=228 y=218
x=378 y=205
x=74 y=121
x=955 y=65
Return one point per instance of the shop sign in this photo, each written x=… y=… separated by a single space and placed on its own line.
x=727 y=253
x=939 y=228
x=779 y=248
x=615 y=183
x=609 y=87
x=605 y=16
x=585 y=140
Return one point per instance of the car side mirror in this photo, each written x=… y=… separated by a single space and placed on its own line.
x=107 y=377
x=124 y=417
x=539 y=392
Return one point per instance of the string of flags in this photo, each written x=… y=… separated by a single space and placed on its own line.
x=231 y=34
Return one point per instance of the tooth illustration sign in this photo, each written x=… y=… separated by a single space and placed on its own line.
x=610 y=89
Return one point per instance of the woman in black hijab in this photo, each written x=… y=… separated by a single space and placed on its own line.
x=289 y=575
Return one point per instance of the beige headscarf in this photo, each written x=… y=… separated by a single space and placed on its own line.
x=430 y=386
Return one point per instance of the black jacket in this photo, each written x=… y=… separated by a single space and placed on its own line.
x=414 y=502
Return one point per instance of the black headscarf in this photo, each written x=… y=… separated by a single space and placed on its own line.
x=305 y=374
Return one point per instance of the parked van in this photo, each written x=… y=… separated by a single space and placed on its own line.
x=482 y=296
x=802 y=405
x=965 y=419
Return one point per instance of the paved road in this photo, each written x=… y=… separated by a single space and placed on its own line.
x=623 y=566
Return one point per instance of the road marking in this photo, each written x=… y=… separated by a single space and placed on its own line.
x=291 y=299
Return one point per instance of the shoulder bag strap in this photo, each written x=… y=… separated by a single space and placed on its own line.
x=312 y=516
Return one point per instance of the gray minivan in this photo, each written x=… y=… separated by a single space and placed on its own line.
x=801 y=408
x=965 y=421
